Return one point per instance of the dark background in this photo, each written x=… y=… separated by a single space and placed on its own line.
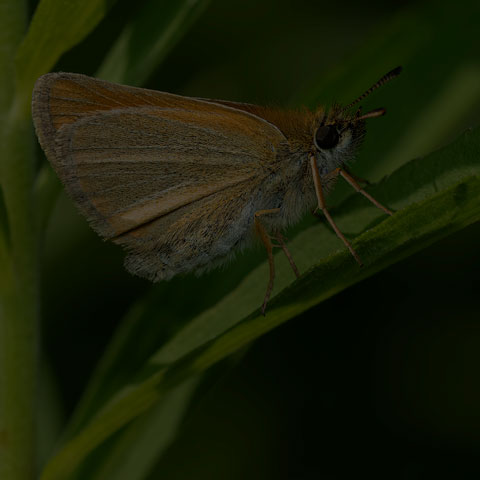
x=380 y=380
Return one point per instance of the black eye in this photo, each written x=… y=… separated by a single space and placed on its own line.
x=326 y=137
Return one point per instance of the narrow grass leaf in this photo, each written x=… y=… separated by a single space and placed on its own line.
x=148 y=38
x=55 y=28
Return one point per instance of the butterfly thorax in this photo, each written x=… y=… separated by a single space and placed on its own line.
x=331 y=137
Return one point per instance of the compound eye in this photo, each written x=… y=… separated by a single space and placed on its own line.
x=326 y=137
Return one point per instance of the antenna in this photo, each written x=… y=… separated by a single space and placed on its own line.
x=386 y=78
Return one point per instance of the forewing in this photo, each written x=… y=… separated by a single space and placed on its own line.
x=163 y=175
x=128 y=167
x=61 y=99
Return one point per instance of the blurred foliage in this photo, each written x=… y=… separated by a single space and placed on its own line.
x=383 y=374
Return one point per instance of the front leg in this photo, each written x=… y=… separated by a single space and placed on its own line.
x=317 y=181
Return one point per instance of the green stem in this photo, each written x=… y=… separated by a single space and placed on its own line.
x=18 y=311
x=18 y=262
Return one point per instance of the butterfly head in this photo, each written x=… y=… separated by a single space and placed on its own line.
x=339 y=133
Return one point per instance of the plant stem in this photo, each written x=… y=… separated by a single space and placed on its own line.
x=18 y=315
x=19 y=297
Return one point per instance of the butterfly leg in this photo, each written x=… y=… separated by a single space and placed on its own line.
x=355 y=177
x=283 y=246
x=322 y=206
x=265 y=237
x=352 y=181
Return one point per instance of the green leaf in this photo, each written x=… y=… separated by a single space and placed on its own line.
x=13 y=23
x=148 y=38
x=137 y=449
x=436 y=196
x=56 y=27
x=50 y=413
x=19 y=310
x=46 y=190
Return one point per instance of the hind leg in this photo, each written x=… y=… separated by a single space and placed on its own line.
x=267 y=241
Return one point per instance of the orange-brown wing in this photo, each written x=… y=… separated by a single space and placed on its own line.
x=296 y=125
x=148 y=168
x=64 y=98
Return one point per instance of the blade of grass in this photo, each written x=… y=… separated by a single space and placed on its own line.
x=442 y=196
x=55 y=28
x=13 y=21
x=147 y=40
x=18 y=259
x=46 y=190
x=139 y=447
x=51 y=415
x=19 y=306
x=430 y=127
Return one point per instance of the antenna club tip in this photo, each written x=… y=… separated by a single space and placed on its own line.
x=396 y=71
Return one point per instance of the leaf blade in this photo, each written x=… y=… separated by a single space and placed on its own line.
x=55 y=28
x=147 y=40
